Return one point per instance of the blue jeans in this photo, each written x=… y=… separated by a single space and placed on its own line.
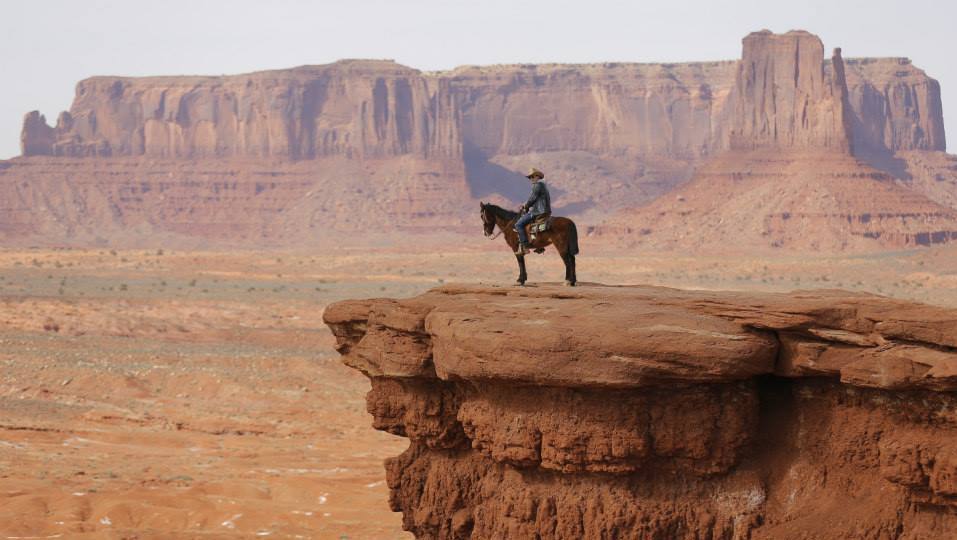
x=520 y=226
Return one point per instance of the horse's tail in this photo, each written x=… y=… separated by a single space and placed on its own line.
x=572 y=238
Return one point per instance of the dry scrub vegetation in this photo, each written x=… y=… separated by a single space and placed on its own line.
x=179 y=393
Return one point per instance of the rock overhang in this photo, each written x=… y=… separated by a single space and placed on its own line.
x=648 y=412
x=630 y=337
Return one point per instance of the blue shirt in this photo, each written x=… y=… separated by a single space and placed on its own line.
x=539 y=202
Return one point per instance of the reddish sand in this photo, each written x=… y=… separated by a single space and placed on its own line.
x=182 y=395
x=139 y=414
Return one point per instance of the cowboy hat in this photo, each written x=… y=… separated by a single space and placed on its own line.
x=535 y=173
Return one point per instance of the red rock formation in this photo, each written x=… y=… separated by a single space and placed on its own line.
x=795 y=201
x=36 y=137
x=612 y=136
x=641 y=412
x=665 y=110
x=350 y=108
x=782 y=97
x=788 y=179
x=932 y=173
x=893 y=104
x=364 y=108
x=131 y=201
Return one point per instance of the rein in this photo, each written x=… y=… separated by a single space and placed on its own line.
x=500 y=228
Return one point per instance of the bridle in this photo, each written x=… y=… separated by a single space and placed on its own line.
x=487 y=235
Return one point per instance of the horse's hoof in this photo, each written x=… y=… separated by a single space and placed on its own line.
x=569 y=283
x=520 y=283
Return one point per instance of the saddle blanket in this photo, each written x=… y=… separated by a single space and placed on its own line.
x=539 y=225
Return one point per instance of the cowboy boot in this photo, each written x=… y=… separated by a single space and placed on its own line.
x=522 y=249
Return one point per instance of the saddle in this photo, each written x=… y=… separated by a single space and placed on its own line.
x=541 y=224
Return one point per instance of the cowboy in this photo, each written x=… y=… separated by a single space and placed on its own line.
x=539 y=203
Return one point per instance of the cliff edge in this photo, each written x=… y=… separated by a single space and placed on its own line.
x=647 y=412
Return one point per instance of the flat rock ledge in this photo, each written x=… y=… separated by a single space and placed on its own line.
x=649 y=412
x=637 y=336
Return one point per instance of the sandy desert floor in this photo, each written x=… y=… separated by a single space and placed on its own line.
x=167 y=394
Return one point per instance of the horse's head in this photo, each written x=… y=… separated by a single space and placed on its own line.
x=488 y=219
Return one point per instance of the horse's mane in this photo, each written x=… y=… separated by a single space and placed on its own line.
x=498 y=211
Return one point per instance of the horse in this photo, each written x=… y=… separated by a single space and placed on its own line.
x=563 y=234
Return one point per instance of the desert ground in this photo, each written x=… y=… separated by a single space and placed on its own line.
x=186 y=394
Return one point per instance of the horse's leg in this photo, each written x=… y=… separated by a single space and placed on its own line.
x=522 y=276
x=571 y=266
x=566 y=258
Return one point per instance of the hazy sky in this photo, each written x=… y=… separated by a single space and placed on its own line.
x=47 y=46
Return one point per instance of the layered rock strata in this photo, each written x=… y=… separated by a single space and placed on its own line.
x=644 y=412
x=245 y=203
x=369 y=108
x=892 y=103
x=797 y=201
x=783 y=98
x=804 y=171
x=419 y=147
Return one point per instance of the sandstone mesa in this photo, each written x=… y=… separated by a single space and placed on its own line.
x=280 y=157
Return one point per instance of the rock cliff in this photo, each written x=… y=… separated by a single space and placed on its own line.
x=36 y=137
x=611 y=136
x=365 y=108
x=235 y=202
x=354 y=108
x=892 y=105
x=773 y=200
x=783 y=98
x=804 y=170
x=643 y=412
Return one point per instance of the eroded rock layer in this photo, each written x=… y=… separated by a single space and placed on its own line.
x=784 y=99
x=611 y=136
x=645 y=412
x=805 y=171
x=224 y=202
x=366 y=108
x=787 y=200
